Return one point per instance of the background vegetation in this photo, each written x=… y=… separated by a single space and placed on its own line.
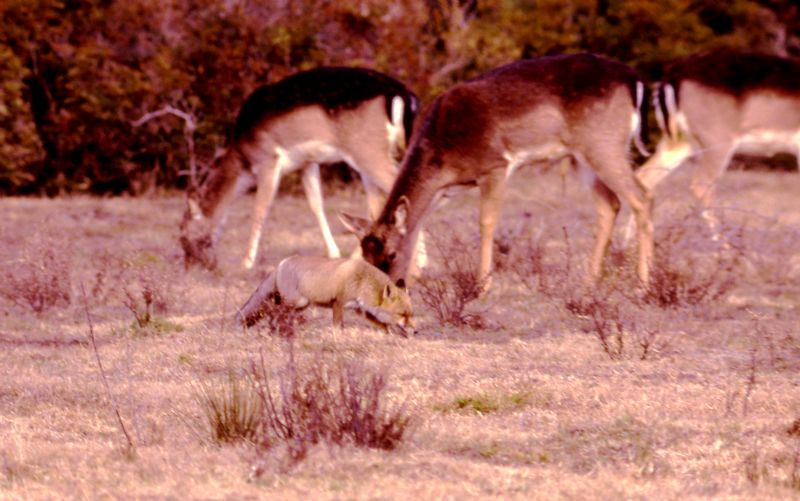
x=75 y=74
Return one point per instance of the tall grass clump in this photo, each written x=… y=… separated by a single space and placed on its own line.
x=232 y=409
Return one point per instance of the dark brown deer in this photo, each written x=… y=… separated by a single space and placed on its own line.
x=320 y=116
x=713 y=105
x=478 y=132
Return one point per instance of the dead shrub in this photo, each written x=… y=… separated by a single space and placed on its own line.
x=691 y=270
x=232 y=409
x=277 y=318
x=146 y=294
x=326 y=402
x=40 y=281
x=107 y=276
x=457 y=284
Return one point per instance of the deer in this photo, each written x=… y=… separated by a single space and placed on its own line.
x=584 y=107
x=325 y=115
x=713 y=105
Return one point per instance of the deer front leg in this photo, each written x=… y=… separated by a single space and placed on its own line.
x=313 y=189
x=375 y=198
x=492 y=187
x=267 y=186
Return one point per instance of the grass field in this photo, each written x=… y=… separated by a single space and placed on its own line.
x=694 y=395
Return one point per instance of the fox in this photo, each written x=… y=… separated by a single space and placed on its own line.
x=340 y=283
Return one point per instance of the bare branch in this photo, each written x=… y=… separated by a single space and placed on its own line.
x=188 y=134
x=102 y=372
x=188 y=118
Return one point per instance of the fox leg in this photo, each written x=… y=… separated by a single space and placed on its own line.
x=338 y=314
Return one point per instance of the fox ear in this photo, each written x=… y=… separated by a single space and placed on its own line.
x=401 y=215
x=401 y=283
x=387 y=291
x=358 y=226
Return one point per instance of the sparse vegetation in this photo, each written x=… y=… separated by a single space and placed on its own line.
x=531 y=407
x=486 y=404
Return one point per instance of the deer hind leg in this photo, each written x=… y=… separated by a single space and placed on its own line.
x=615 y=180
x=607 y=206
x=709 y=168
x=492 y=188
x=313 y=189
x=670 y=154
x=268 y=174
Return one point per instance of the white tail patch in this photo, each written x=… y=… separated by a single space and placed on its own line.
x=636 y=121
x=395 y=128
x=672 y=110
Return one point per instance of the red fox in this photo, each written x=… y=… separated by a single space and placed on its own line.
x=341 y=283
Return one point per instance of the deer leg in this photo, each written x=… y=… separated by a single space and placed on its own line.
x=615 y=180
x=607 y=206
x=375 y=198
x=267 y=186
x=670 y=154
x=313 y=189
x=492 y=187
x=710 y=166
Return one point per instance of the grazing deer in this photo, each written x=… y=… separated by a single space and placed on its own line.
x=714 y=105
x=340 y=283
x=326 y=115
x=480 y=131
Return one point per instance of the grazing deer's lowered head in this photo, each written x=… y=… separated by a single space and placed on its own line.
x=321 y=116
x=478 y=132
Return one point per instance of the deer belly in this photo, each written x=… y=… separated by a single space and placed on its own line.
x=301 y=154
x=769 y=142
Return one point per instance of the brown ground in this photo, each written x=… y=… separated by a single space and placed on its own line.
x=548 y=413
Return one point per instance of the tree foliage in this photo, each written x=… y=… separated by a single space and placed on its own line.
x=75 y=74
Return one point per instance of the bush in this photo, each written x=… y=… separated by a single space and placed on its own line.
x=689 y=272
x=331 y=402
x=40 y=281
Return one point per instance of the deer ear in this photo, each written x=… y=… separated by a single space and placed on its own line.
x=401 y=215
x=358 y=226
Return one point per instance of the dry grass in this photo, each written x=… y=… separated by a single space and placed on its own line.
x=529 y=405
